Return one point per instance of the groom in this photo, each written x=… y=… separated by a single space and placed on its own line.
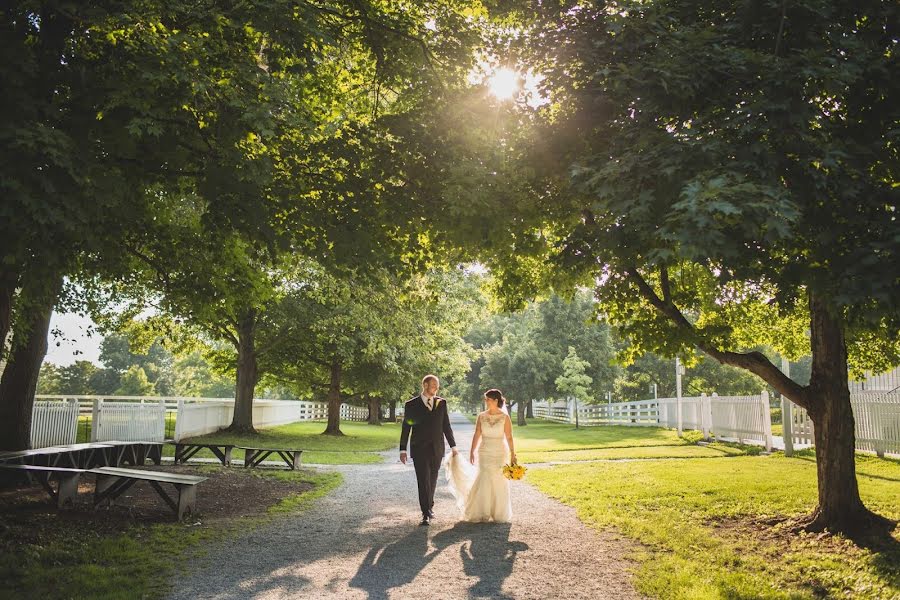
x=427 y=416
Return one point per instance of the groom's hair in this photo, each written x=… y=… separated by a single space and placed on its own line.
x=428 y=378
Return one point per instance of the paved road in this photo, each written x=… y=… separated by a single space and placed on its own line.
x=364 y=541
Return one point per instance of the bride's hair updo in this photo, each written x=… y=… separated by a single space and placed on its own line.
x=497 y=395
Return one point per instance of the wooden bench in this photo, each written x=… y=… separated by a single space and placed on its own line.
x=254 y=456
x=186 y=450
x=88 y=455
x=67 y=480
x=113 y=481
x=136 y=453
x=53 y=456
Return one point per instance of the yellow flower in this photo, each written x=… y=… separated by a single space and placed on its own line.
x=514 y=471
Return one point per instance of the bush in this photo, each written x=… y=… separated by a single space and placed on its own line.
x=775 y=415
x=692 y=436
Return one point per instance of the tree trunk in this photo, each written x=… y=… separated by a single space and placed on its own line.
x=393 y=411
x=840 y=507
x=8 y=282
x=530 y=411
x=334 y=400
x=20 y=377
x=374 y=410
x=520 y=413
x=247 y=375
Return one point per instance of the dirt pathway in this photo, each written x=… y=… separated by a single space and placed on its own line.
x=364 y=541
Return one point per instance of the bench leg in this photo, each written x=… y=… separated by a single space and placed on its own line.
x=68 y=490
x=248 y=458
x=296 y=460
x=187 y=501
x=227 y=460
x=155 y=453
x=110 y=487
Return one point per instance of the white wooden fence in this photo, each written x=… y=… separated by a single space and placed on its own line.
x=746 y=419
x=741 y=418
x=128 y=421
x=876 y=416
x=54 y=422
x=135 y=418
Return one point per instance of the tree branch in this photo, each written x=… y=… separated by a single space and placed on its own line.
x=755 y=362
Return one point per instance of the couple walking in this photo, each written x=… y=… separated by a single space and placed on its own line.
x=481 y=494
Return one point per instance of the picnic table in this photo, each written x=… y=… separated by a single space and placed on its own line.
x=254 y=456
x=52 y=456
x=135 y=453
x=87 y=455
x=186 y=450
x=113 y=481
x=67 y=480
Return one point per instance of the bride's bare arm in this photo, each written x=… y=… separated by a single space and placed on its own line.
x=475 y=439
x=507 y=429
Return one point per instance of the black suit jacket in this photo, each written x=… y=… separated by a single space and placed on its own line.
x=428 y=427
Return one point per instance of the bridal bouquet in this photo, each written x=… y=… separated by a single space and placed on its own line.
x=514 y=471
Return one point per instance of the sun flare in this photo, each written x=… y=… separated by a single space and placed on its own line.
x=504 y=83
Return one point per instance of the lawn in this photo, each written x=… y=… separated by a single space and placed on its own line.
x=359 y=444
x=714 y=528
x=107 y=555
x=545 y=441
x=682 y=451
x=546 y=436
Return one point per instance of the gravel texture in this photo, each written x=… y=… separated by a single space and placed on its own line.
x=364 y=541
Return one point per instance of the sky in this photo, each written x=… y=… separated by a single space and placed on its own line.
x=73 y=343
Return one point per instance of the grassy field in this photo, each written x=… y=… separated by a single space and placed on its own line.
x=715 y=528
x=359 y=444
x=545 y=441
x=542 y=436
x=64 y=556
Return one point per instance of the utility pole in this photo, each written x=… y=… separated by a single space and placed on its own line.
x=787 y=418
x=679 y=371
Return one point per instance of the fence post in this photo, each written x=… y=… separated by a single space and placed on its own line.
x=179 y=420
x=162 y=419
x=73 y=407
x=787 y=426
x=766 y=419
x=95 y=419
x=705 y=415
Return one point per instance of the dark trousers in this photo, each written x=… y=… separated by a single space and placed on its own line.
x=427 y=463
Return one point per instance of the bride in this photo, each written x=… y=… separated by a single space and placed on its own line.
x=484 y=495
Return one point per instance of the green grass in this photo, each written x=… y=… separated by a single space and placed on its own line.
x=78 y=562
x=359 y=444
x=546 y=436
x=622 y=453
x=701 y=525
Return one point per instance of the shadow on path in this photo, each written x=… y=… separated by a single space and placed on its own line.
x=486 y=553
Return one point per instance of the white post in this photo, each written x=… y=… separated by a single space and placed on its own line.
x=162 y=419
x=678 y=395
x=96 y=411
x=766 y=419
x=179 y=420
x=787 y=416
x=705 y=414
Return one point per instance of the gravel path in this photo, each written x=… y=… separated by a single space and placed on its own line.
x=364 y=541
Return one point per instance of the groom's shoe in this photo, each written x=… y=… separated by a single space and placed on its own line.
x=430 y=514
x=426 y=520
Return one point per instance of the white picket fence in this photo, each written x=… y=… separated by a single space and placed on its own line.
x=54 y=422
x=128 y=421
x=740 y=418
x=876 y=417
x=134 y=418
x=745 y=419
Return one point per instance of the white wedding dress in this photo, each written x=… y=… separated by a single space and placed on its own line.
x=482 y=492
